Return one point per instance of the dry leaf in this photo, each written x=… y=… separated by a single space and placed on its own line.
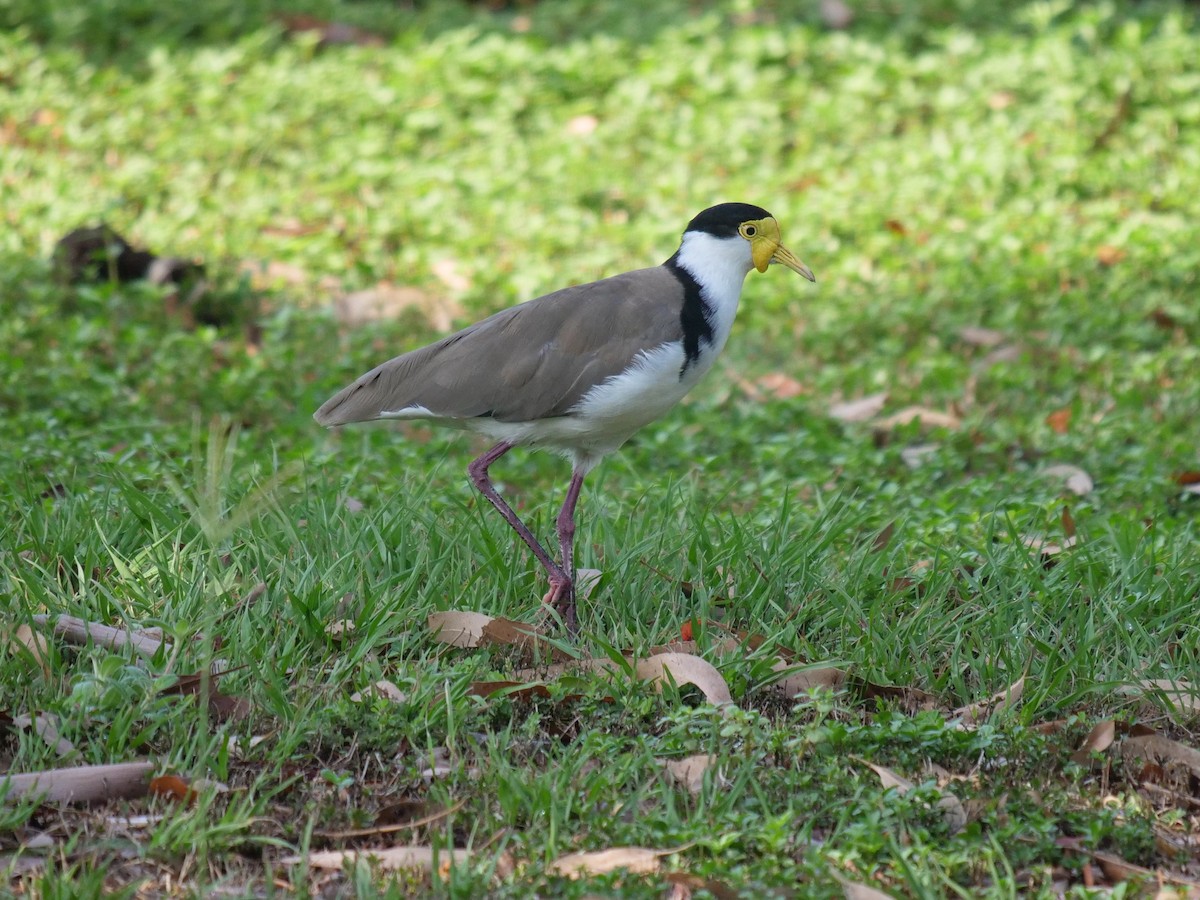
x=585 y=582
x=1180 y=694
x=915 y=456
x=382 y=688
x=387 y=302
x=981 y=337
x=1068 y=523
x=34 y=645
x=1099 y=739
x=517 y=689
x=221 y=707
x=458 y=628
x=449 y=274
x=859 y=410
x=856 y=891
x=1077 y=481
x=927 y=418
x=689 y=771
x=1154 y=748
x=80 y=631
x=1060 y=420
x=836 y=14
x=388 y=858
x=1001 y=100
x=780 y=386
x=581 y=126
x=802 y=681
x=884 y=537
x=82 y=784
x=340 y=630
x=976 y=713
x=636 y=860
x=45 y=726
x=684 y=669
x=405 y=815
x=952 y=809
x=173 y=788
x=1108 y=255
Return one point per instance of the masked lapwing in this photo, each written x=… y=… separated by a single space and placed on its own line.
x=580 y=370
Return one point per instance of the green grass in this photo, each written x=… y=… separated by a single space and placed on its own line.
x=1027 y=168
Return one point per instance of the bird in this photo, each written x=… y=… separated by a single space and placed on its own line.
x=579 y=370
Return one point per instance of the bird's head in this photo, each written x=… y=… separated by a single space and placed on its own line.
x=754 y=225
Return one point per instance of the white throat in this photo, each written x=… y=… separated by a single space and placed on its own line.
x=720 y=266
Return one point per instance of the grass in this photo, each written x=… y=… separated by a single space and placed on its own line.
x=1025 y=169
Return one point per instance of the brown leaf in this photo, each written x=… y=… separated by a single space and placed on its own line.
x=34 y=646
x=689 y=771
x=384 y=689
x=1163 y=319
x=172 y=787
x=884 y=537
x=511 y=632
x=1001 y=100
x=911 y=699
x=800 y=680
x=422 y=858
x=407 y=814
x=896 y=227
x=448 y=273
x=80 y=631
x=836 y=14
x=635 y=860
x=585 y=582
x=1068 y=523
x=458 y=628
x=927 y=418
x=1108 y=255
x=328 y=33
x=1076 y=480
x=780 y=386
x=222 y=707
x=1049 y=549
x=516 y=689
x=45 y=726
x=1155 y=748
x=386 y=302
x=1182 y=696
x=339 y=630
x=582 y=126
x=684 y=669
x=915 y=456
x=83 y=784
x=857 y=891
x=890 y=779
x=859 y=410
x=718 y=889
x=1099 y=739
x=1060 y=420
x=981 y=337
x=976 y=713
x=952 y=809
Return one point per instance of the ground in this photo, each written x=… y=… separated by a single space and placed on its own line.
x=904 y=598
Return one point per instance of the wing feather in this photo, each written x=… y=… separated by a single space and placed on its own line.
x=532 y=361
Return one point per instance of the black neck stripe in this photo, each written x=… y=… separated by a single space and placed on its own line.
x=693 y=315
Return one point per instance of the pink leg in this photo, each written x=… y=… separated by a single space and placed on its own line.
x=564 y=598
x=560 y=580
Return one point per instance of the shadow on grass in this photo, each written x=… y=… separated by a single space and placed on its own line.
x=123 y=32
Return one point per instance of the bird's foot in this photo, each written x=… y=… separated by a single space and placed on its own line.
x=561 y=597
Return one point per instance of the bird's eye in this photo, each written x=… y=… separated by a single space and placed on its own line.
x=749 y=231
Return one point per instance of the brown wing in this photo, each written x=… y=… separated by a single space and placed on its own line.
x=532 y=361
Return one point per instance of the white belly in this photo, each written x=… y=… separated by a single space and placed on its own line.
x=611 y=412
